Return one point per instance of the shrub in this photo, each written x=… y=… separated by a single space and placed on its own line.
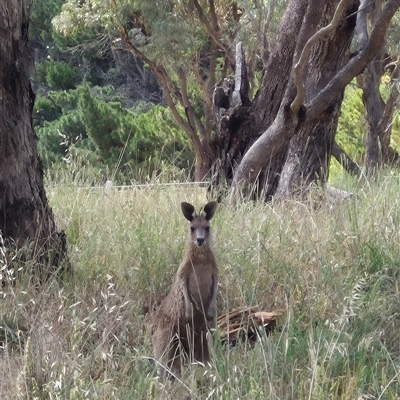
x=129 y=140
x=61 y=75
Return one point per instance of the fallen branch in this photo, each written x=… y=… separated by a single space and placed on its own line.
x=246 y=324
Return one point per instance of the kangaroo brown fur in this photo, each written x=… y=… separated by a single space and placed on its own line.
x=188 y=312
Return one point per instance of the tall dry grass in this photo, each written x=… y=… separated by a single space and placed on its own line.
x=333 y=269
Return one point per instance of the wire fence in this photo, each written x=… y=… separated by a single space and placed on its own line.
x=110 y=186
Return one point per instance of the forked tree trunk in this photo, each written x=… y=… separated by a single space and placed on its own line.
x=238 y=127
x=311 y=147
x=311 y=99
x=304 y=159
x=25 y=215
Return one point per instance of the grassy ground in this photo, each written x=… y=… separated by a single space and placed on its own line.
x=334 y=270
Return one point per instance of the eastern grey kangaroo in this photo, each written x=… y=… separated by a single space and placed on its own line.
x=188 y=312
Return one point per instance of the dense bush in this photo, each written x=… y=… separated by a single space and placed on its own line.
x=61 y=75
x=97 y=105
x=130 y=140
x=42 y=13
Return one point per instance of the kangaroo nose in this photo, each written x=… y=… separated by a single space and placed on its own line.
x=200 y=241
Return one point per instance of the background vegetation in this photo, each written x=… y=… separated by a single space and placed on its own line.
x=333 y=270
x=99 y=106
x=96 y=102
x=352 y=126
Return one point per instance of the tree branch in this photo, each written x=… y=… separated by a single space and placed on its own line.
x=345 y=161
x=387 y=116
x=165 y=81
x=283 y=127
x=299 y=67
x=356 y=65
x=124 y=33
x=213 y=14
x=189 y=110
x=240 y=93
x=361 y=27
x=207 y=91
x=264 y=40
x=212 y=32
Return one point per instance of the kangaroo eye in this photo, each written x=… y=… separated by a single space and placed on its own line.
x=192 y=229
x=207 y=228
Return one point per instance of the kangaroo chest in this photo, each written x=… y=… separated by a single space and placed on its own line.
x=200 y=285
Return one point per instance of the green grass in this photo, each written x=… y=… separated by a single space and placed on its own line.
x=334 y=271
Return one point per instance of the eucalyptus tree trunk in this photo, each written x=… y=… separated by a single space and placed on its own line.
x=284 y=163
x=25 y=215
x=378 y=114
x=369 y=80
x=311 y=147
x=241 y=125
x=310 y=103
x=247 y=142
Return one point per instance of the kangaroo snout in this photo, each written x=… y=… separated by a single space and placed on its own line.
x=200 y=241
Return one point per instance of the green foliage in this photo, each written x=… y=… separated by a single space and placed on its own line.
x=170 y=35
x=41 y=15
x=386 y=86
x=79 y=124
x=80 y=18
x=56 y=138
x=135 y=138
x=158 y=131
x=59 y=125
x=351 y=130
x=101 y=122
x=39 y=73
x=395 y=138
x=351 y=127
x=61 y=75
x=86 y=120
x=45 y=110
x=393 y=36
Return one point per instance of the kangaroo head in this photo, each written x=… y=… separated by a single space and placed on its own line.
x=199 y=231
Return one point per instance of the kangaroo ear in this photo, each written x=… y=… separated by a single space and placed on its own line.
x=188 y=211
x=209 y=210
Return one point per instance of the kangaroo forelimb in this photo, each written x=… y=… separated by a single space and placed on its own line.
x=212 y=309
x=186 y=296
